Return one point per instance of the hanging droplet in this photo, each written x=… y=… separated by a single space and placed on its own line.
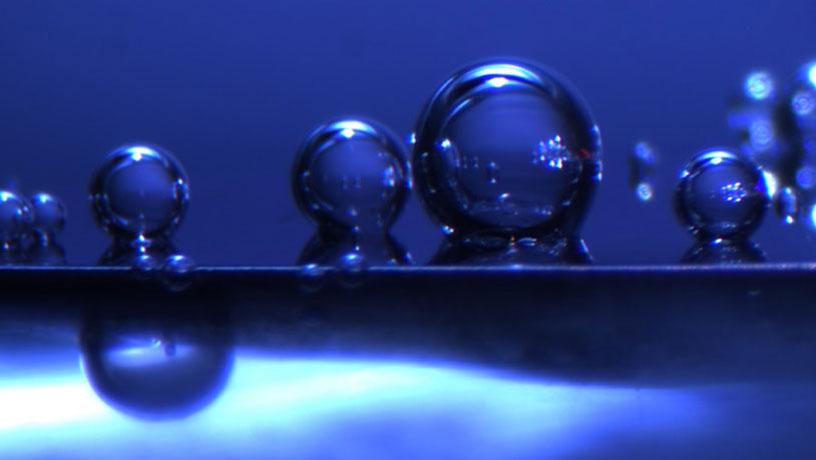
x=154 y=365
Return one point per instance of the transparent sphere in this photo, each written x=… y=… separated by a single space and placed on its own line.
x=178 y=272
x=145 y=264
x=802 y=97
x=140 y=191
x=155 y=369
x=15 y=216
x=643 y=162
x=506 y=148
x=800 y=114
x=762 y=129
x=311 y=277
x=759 y=85
x=786 y=203
x=48 y=213
x=351 y=173
x=721 y=195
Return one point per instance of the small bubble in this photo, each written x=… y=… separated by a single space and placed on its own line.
x=642 y=165
x=48 y=214
x=644 y=191
x=351 y=269
x=145 y=265
x=15 y=216
x=492 y=172
x=311 y=277
x=722 y=195
x=786 y=203
x=803 y=103
x=759 y=85
x=806 y=177
x=178 y=272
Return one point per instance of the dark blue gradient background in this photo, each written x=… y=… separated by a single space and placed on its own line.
x=233 y=87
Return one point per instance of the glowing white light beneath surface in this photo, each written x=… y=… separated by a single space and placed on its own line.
x=302 y=408
x=48 y=404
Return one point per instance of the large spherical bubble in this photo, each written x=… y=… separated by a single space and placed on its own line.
x=505 y=147
x=721 y=195
x=351 y=173
x=140 y=191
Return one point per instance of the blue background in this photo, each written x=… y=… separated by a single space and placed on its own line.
x=233 y=87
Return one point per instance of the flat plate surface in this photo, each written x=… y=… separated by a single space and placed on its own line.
x=421 y=362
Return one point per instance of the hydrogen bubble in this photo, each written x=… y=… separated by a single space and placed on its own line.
x=721 y=195
x=506 y=148
x=178 y=272
x=140 y=191
x=786 y=203
x=642 y=165
x=351 y=269
x=351 y=173
x=15 y=218
x=311 y=277
x=48 y=214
